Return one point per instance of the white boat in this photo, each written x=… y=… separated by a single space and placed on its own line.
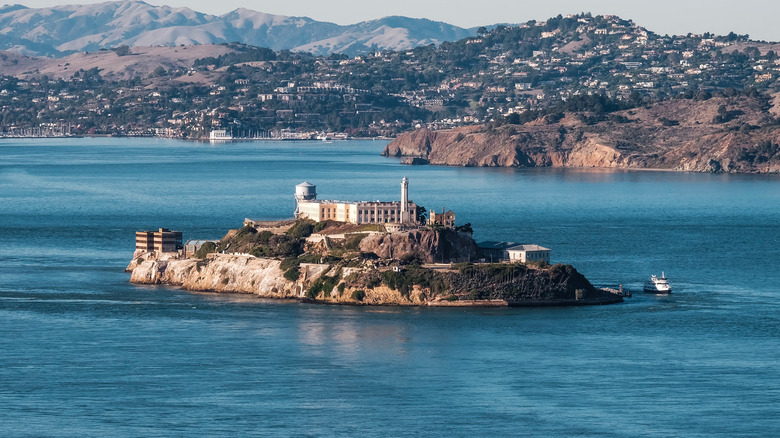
x=658 y=285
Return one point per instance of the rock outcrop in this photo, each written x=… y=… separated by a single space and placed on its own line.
x=425 y=245
x=736 y=135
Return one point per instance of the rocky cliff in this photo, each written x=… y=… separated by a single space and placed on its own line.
x=721 y=134
x=469 y=285
x=423 y=245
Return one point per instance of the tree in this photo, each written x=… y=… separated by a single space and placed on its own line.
x=422 y=215
x=122 y=50
x=206 y=248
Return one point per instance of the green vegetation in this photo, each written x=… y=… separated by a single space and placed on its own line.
x=358 y=295
x=301 y=228
x=352 y=241
x=292 y=274
x=405 y=280
x=262 y=244
x=207 y=248
x=324 y=284
x=291 y=269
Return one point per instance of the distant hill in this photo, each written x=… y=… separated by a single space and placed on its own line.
x=62 y=30
x=734 y=133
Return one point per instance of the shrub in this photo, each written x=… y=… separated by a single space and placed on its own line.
x=358 y=295
x=207 y=248
x=460 y=267
x=290 y=262
x=329 y=283
x=292 y=274
x=261 y=251
x=352 y=242
x=301 y=228
x=319 y=226
x=314 y=290
x=264 y=236
x=324 y=284
x=247 y=229
x=341 y=288
x=139 y=260
x=309 y=258
x=225 y=280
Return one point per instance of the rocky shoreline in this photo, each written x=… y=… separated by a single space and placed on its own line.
x=718 y=135
x=245 y=274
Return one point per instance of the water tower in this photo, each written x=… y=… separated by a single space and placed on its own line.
x=304 y=192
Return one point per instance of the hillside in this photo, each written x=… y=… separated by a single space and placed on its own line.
x=60 y=30
x=719 y=134
x=532 y=70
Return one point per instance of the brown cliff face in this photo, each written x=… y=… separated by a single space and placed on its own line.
x=425 y=245
x=738 y=134
x=468 y=285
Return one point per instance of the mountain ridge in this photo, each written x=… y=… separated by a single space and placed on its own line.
x=65 y=29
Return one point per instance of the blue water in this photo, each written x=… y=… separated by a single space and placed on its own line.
x=84 y=353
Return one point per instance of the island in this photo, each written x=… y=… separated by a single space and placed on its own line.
x=363 y=253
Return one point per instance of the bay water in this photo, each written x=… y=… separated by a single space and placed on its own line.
x=85 y=353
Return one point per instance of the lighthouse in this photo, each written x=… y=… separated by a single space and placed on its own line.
x=405 y=201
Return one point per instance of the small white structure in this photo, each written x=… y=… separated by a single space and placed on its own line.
x=528 y=253
x=220 y=135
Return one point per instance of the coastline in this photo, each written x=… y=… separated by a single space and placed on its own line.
x=264 y=278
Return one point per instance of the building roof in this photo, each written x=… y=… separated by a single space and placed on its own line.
x=305 y=184
x=199 y=241
x=490 y=244
x=326 y=201
x=510 y=246
x=528 y=248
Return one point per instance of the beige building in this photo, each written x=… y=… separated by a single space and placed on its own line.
x=163 y=240
x=360 y=212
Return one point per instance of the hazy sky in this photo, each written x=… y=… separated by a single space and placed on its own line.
x=759 y=18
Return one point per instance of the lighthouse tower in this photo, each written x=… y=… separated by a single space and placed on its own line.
x=405 y=201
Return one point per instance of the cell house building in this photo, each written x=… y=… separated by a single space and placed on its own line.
x=357 y=212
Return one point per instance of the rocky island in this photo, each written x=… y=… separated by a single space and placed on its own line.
x=331 y=262
x=363 y=252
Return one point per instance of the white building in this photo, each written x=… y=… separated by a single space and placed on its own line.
x=512 y=251
x=220 y=135
x=528 y=253
x=359 y=212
